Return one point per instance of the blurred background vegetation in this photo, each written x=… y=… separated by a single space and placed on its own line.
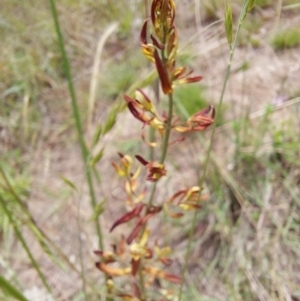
x=247 y=244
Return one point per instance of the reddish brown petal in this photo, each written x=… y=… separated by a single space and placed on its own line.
x=156 y=171
x=175 y=215
x=202 y=119
x=183 y=129
x=107 y=257
x=135 y=112
x=163 y=75
x=178 y=140
x=172 y=44
x=137 y=228
x=122 y=246
x=128 y=99
x=148 y=51
x=173 y=12
x=98 y=253
x=134 y=266
x=172 y=214
x=151 y=144
x=153 y=7
x=143 y=36
x=136 y=291
x=177 y=194
x=179 y=72
x=162 y=274
x=121 y=155
x=192 y=79
x=172 y=278
x=128 y=216
x=149 y=254
x=126 y=297
x=154 y=209
x=145 y=96
x=142 y=160
x=114 y=247
x=112 y=271
x=157 y=43
x=166 y=261
x=206 y=111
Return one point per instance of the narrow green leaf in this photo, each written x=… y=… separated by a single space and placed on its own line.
x=69 y=182
x=229 y=24
x=24 y=244
x=97 y=134
x=9 y=289
x=110 y=122
x=251 y=4
x=97 y=158
x=76 y=113
x=291 y=6
x=99 y=209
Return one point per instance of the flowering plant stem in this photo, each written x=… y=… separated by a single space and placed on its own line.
x=242 y=16
x=164 y=150
x=147 y=264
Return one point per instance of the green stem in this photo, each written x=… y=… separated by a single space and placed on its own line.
x=151 y=129
x=84 y=149
x=79 y=128
x=201 y=181
x=164 y=148
x=25 y=246
x=142 y=280
x=167 y=131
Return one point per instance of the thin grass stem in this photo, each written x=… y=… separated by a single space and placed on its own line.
x=84 y=149
x=203 y=176
x=25 y=246
x=11 y=290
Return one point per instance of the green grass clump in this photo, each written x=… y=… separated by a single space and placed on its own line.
x=192 y=98
x=286 y=38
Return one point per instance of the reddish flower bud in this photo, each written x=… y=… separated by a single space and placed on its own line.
x=163 y=74
x=199 y=121
x=156 y=170
x=162 y=16
x=128 y=216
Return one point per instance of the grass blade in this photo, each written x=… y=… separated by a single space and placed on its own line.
x=25 y=246
x=7 y=287
x=79 y=128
